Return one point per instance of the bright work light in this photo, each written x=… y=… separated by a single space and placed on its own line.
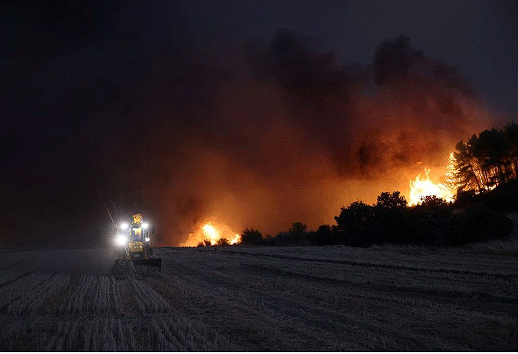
x=121 y=240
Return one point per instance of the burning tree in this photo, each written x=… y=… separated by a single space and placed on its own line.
x=486 y=160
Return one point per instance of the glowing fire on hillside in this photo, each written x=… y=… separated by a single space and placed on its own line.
x=208 y=231
x=423 y=187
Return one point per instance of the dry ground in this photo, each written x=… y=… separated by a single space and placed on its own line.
x=263 y=299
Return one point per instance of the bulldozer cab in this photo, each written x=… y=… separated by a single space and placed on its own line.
x=137 y=218
x=136 y=234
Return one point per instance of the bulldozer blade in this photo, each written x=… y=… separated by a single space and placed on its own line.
x=149 y=262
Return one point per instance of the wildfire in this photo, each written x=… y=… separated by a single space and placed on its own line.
x=209 y=232
x=423 y=187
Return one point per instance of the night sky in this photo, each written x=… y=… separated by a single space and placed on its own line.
x=258 y=113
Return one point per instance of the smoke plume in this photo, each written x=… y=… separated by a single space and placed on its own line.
x=259 y=135
x=292 y=135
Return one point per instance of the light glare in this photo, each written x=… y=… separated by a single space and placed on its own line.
x=121 y=240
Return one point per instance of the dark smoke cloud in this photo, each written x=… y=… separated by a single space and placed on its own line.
x=397 y=63
x=297 y=135
x=283 y=133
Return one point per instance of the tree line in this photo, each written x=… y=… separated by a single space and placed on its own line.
x=434 y=222
x=486 y=160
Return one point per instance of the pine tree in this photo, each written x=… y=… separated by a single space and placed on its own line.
x=465 y=169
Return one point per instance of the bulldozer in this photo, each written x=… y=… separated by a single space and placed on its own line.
x=133 y=240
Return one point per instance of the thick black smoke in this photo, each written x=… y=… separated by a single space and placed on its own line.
x=282 y=133
x=296 y=135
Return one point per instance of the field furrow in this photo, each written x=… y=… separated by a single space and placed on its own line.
x=33 y=300
x=148 y=301
x=21 y=288
x=266 y=299
x=80 y=299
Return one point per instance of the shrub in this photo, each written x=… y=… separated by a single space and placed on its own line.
x=478 y=224
x=281 y=239
x=433 y=204
x=268 y=240
x=223 y=242
x=323 y=236
x=297 y=235
x=251 y=237
x=354 y=218
x=463 y=198
x=298 y=228
x=391 y=201
x=504 y=197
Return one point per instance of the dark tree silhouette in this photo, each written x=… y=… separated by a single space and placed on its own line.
x=354 y=218
x=251 y=237
x=433 y=222
x=511 y=141
x=391 y=201
x=487 y=160
x=323 y=236
x=465 y=166
x=433 y=202
x=204 y=243
x=223 y=242
x=298 y=228
x=490 y=150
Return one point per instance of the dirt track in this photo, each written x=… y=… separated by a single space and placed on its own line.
x=239 y=298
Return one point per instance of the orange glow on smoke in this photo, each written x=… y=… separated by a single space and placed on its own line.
x=423 y=187
x=211 y=233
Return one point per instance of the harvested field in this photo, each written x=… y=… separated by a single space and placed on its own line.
x=262 y=299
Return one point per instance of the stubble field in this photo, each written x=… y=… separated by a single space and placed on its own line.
x=262 y=299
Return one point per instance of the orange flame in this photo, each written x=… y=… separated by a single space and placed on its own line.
x=209 y=232
x=423 y=187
